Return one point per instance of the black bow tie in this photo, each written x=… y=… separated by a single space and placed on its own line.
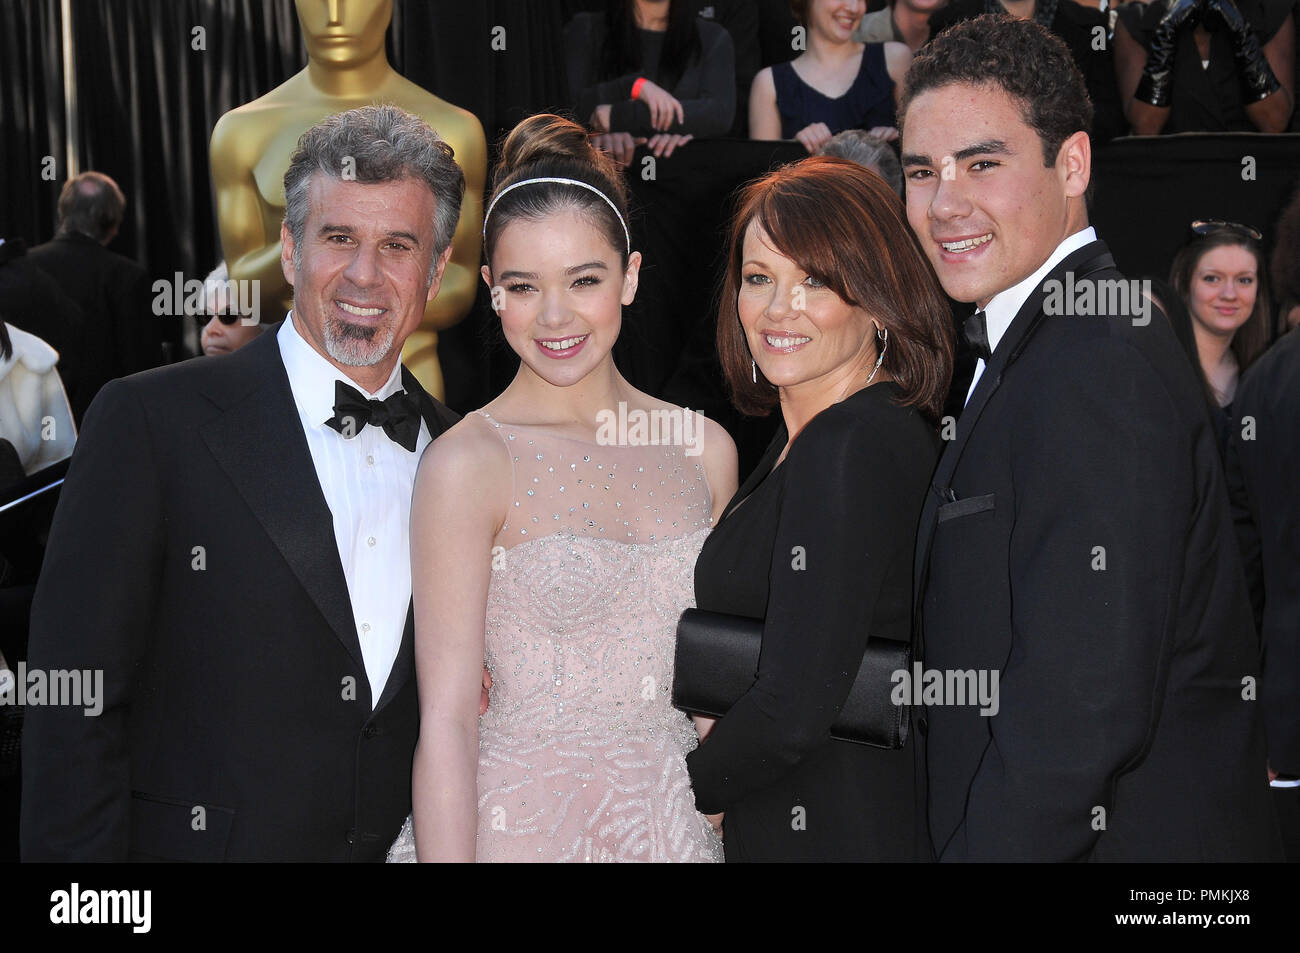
x=976 y=331
x=398 y=415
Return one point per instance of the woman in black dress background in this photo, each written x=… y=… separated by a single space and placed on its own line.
x=831 y=312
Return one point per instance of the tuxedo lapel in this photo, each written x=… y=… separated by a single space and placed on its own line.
x=259 y=443
x=437 y=416
x=1083 y=262
x=404 y=664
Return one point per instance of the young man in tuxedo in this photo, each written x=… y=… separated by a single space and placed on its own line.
x=1076 y=541
x=1263 y=471
x=231 y=550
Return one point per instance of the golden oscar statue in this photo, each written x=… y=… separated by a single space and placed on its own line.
x=347 y=67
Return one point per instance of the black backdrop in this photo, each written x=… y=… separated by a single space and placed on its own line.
x=31 y=117
x=148 y=101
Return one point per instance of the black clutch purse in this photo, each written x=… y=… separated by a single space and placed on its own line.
x=717 y=660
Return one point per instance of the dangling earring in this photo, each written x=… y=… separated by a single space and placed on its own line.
x=753 y=370
x=882 y=334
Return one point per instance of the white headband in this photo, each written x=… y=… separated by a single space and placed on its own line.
x=590 y=188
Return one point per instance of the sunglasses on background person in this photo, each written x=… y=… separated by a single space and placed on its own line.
x=1211 y=226
x=225 y=317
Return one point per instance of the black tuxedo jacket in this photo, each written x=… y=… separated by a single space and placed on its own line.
x=192 y=559
x=1264 y=475
x=1077 y=542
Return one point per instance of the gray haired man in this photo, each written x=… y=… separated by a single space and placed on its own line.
x=231 y=550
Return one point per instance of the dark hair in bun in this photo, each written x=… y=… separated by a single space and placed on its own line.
x=548 y=146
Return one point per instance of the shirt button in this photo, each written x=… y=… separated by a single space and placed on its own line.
x=370 y=541
x=365 y=626
x=370 y=459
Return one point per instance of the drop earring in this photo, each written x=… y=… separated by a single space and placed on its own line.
x=882 y=335
x=753 y=370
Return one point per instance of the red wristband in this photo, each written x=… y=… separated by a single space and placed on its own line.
x=636 y=87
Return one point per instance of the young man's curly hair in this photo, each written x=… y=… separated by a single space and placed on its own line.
x=1027 y=61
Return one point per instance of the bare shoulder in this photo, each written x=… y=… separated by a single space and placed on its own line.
x=897 y=59
x=763 y=82
x=467 y=465
x=718 y=449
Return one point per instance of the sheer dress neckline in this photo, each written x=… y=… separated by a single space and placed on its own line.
x=567 y=489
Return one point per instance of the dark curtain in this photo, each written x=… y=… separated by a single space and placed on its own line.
x=31 y=118
x=148 y=99
x=449 y=50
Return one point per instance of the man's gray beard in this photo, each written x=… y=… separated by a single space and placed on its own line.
x=355 y=345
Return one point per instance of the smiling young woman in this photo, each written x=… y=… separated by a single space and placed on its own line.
x=560 y=554
x=1221 y=276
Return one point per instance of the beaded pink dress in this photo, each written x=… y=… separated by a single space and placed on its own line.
x=581 y=754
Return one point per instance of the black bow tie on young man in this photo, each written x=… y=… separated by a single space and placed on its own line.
x=398 y=415
x=976 y=331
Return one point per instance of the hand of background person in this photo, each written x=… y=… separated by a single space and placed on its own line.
x=888 y=133
x=664 y=143
x=665 y=108
x=716 y=821
x=814 y=136
x=483 y=696
x=599 y=121
x=620 y=145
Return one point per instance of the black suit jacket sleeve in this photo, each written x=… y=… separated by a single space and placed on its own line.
x=1085 y=639
x=1245 y=518
x=846 y=512
x=86 y=618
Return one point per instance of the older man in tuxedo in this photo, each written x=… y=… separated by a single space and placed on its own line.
x=1076 y=542
x=231 y=550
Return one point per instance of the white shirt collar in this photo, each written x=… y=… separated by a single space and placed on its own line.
x=1005 y=305
x=312 y=377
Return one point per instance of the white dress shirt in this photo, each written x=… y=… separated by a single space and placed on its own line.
x=1005 y=305
x=367 y=481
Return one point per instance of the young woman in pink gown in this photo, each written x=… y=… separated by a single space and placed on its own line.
x=554 y=536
